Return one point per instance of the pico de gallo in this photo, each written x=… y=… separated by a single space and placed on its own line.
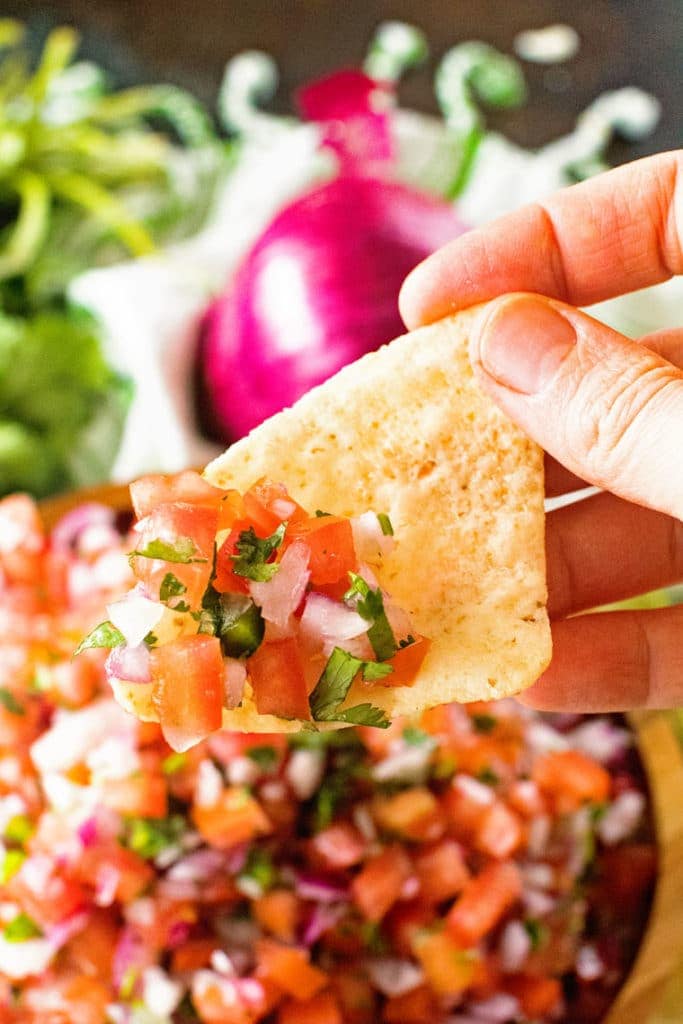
x=483 y=864
x=247 y=599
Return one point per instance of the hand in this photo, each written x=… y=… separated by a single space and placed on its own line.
x=608 y=409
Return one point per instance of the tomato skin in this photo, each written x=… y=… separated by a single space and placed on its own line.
x=329 y=540
x=226 y=579
x=90 y=950
x=380 y=883
x=267 y=504
x=147 y=493
x=188 y=688
x=537 y=996
x=492 y=828
x=337 y=847
x=290 y=969
x=236 y=818
x=406 y=663
x=484 y=901
x=415 y=1007
x=321 y=1009
x=143 y=795
x=278 y=681
x=278 y=911
x=192 y=955
x=169 y=523
x=58 y=897
x=571 y=779
x=404 y=921
x=441 y=871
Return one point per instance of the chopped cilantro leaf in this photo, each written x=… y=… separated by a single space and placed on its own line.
x=364 y=714
x=484 y=723
x=265 y=757
x=370 y=605
x=597 y=812
x=319 y=513
x=18 y=829
x=332 y=688
x=151 y=639
x=334 y=684
x=104 y=635
x=372 y=938
x=488 y=776
x=10 y=702
x=385 y=524
x=416 y=737
x=21 y=928
x=235 y=620
x=376 y=670
x=173 y=763
x=537 y=932
x=11 y=863
x=259 y=872
x=253 y=553
x=182 y=550
x=149 y=836
x=170 y=587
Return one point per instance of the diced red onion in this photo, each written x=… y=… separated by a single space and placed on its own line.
x=407 y=764
x=328 y=623
x=319 y=888
x=135 y=616
x=242 y=771
x=543 y=739
x=394 y=977
x=601 y=739
x=399 y=620
x=87 y=832
x=514 y=946
x=66 y=533
x=539 y=876
x=537 y=902
x=538 y=834
x=234 y=678
x=130 y=664
x=474 y=790
x=322 y=917
x=131 y=956
x=304 y=772
x=497 y=1009
x=24 y=959
x=161 y=994
x=209 y=784
x=589 y=965
x=622 y=817
x=279 y=598
x=106 y=884
x=368 y=540
x=60 y=933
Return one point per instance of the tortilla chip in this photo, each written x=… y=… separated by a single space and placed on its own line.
x=406 y=431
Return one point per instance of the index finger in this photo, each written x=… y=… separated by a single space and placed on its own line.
x=615 y=233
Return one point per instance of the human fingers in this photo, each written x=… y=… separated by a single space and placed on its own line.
x=611 y=234
x=610 y=410
x=604 y=549
x=613 y=661
x=667 y=343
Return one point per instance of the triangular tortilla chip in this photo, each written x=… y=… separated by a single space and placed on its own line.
x=407 y=431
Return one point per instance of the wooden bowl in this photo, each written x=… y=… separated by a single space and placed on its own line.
x=661 y=948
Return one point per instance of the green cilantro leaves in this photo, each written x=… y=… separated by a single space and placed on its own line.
x=333 y=686
x=104 y=635
x=253 y=552
x=10 y=702
x=370 y=605
x=182 y=550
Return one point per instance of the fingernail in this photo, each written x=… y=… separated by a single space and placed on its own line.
x=523 y=342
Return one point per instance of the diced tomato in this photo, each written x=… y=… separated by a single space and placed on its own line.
x=487 y=980
x=441 y=870
x=489 y=825
x=413 y=813
x=537 y=996
x=23 y=540
x=230 y=510
x=380 y=882
x=44 y=892
x=141 y=795
x=267 y=504
x=380 y=741
x=222 y=1000
x=356 y=996
x=415 y=1007
x=484 y=901
x=406 y=663
x=131 y=873
x=278 y=911
x=147 y=493
x=290 y=968
x=90 y=950
x=226 y=579
x=526 y=799
x=75 y=682
x=20 y=723
x=193 y=954
x=188 y=688
x=225 y=746
x=321 y=1009
x=171 y=524
x=404 y=921
x=338 y=846
x=75 y=999
x=571 y=779
x=329 y=540
x=277 y=678
x=448 y=967
x=237 y=817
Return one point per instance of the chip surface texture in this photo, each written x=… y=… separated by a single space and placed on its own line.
x=407 y=431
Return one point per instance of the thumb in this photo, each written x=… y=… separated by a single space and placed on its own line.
x=607 y=408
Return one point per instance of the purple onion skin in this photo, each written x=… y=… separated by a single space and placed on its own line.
x=318 y=290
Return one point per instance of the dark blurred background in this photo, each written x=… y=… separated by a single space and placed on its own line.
x=624 y=42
